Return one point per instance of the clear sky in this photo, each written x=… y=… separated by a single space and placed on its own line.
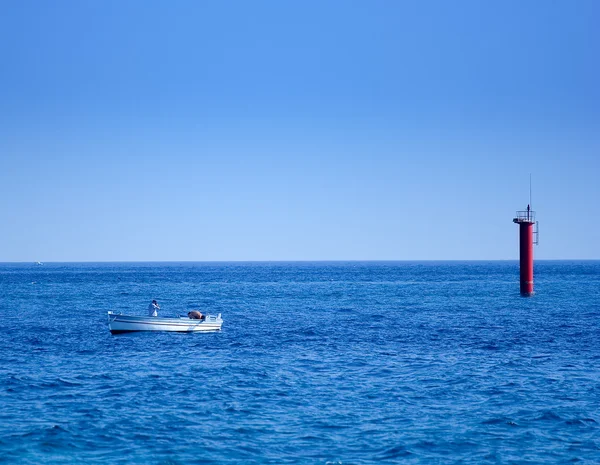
x=297 y=130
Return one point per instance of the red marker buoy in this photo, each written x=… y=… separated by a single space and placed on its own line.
x=527 y=238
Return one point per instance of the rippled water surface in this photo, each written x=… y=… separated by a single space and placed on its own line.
x=326 y=363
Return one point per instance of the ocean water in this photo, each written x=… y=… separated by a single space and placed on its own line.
x=320 y=363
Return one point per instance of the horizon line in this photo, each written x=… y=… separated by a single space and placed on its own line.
x=306 y=261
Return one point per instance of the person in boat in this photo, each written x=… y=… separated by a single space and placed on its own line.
x=195 y=315
x=153 y=308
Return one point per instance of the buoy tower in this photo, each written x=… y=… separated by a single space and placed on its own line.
x=528 y=236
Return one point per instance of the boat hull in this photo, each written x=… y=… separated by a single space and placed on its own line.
x=127 y=324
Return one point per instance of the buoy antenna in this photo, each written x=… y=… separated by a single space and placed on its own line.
x=530 y=204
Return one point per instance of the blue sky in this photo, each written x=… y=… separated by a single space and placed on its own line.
x=268 y=130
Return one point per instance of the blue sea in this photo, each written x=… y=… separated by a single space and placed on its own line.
x=317 y=363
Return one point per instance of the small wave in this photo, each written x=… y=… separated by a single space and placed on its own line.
x=548 y=416
x=499 y=421
x=394 y=453
x=541 y=356
x=580 y=422
x=44 y=432
x=310 y=437
x=66 y=382
x=59 y=383
x=428 y=445
x=328 y=426
x=57 y=429
x=490 y=347
x=87 y=377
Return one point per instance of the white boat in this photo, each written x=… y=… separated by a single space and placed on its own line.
x=118 y=323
